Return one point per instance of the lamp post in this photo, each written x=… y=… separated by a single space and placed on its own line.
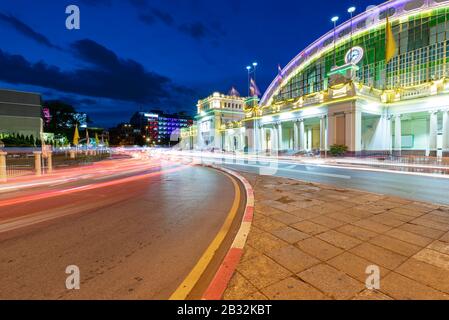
x=351 y=11
x=255 y=64
x=334 y=20
x=249 y=75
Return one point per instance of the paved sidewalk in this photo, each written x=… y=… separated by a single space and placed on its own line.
x=311 y=241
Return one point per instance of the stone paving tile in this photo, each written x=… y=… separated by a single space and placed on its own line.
x=402 y=288
x=293 y=289
x=293 y=259
x=354 y=266
x=409 y=237
x=380 y=256
x=262 y=271
x=425 y=273
x=387 y=220
x=422 y=230
x=357 y=232
x=265 y=242
x=328 y=222
x=440 y=246
x=358 y=212
x=309 y=227
x=305 y=214
x=407 y=212
x=332 y=282
x=239 y=288
x=311 y=241
x=339 y=240
x=250 y=253
x=395 y=245
x=344 y=217
x=255 y=297
x=319 y=248
x=372 y=226
x=267 y=223
x=326 y=208
x=266 y=210
x=371 y=295
x=290 y=235
x=431 y=224
x=433 y=257
x=445 y=238
x=286 y=218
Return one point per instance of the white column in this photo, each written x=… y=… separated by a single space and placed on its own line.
x=296 y=136
x=387 y=138
x=445 y=131
x=323 y=144
x=331 y=138
x=302 y=144
x=274 y=139
x=397 y=133
x=433 y=132
x=263 y=138
x=279 y=133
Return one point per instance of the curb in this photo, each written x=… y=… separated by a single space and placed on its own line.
x=220 y=282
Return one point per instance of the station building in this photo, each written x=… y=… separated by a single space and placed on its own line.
x=341 y=89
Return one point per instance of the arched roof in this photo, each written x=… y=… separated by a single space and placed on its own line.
x=364 y=21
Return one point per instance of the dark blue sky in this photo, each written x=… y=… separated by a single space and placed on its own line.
x=153 y=54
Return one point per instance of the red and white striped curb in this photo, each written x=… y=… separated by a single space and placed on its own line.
x=227 y=268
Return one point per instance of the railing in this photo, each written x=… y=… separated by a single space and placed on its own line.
x=17 y=162
x=397 y=162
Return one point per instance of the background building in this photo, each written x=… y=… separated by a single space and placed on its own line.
x=20 y=114
x=158 y=128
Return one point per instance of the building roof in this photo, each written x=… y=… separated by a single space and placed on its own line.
x=367 y=20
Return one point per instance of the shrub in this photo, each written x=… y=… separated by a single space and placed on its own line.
x=338 y=150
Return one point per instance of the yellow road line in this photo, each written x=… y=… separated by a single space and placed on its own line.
x=192 y=279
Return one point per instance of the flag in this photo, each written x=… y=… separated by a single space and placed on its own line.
x=390 y=47
x=76 y=136
x=233 y=92
x=280 y=76
x=87 y=137
x=97 y=140
x=254 y=90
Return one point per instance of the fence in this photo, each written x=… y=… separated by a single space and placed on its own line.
x=17 y=162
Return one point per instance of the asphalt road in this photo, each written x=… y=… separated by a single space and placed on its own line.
x=411 y=186
x=133 y=240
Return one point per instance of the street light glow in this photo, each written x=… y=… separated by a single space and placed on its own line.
x=255 y=64
x=351 y=10
x=248 y=68
x=335 y=19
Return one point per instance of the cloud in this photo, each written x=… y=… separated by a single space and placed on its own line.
x=196 y=30
x=26 y=30
x=150 y=16
x=105 y=75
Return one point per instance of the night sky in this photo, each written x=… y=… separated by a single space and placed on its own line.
x=132 y=55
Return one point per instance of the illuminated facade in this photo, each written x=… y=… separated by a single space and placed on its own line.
x=218 y=124
x=351 y=96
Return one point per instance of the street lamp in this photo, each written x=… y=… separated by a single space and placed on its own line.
x=334 y=20
x=351 y=11
x=249 y=75
x=255 y=64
